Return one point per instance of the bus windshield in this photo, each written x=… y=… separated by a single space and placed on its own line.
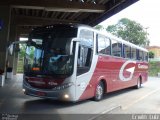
x=46 y=52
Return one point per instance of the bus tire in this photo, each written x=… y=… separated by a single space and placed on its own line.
x=99 y=91
x=139 y=83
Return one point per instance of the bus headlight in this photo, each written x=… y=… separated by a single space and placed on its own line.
x=63 y=86
x=66 y=96
x=24 y=90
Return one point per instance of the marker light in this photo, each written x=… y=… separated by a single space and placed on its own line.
x=35 y=69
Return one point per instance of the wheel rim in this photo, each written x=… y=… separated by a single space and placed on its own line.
x=139 y=83
x=99 y=92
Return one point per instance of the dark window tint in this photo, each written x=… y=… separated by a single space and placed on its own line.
x=84 y=59
x=127 y=51
x=116 y=48
x=133 y=54
x=145 y=56
x=140 y=55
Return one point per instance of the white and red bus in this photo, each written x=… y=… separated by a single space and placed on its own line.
x=75 y=62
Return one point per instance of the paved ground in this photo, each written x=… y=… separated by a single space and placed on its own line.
x=144 y=100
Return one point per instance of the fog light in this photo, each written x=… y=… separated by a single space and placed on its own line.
x=23 y=90
x=66 y=96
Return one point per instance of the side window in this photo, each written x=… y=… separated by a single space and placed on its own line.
x=87 y=37
x=145 y=56
x=103 y=45
x=84 y=56
x=133 y=53
x=85 y=52
x=127 y=51
x=140 y=55
x=116 y=48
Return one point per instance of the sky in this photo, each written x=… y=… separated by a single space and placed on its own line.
x=145 y=12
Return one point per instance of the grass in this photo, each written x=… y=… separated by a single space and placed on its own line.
x=154 y=68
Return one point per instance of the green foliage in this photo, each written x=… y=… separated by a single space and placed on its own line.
x=130 y=31
x=21 y=57
x=151 y=54
x=20 y=65
x=154 y=68
x=99 y=27
x=32 y=52
x=22 y=50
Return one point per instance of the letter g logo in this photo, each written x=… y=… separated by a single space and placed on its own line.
x=131 y=70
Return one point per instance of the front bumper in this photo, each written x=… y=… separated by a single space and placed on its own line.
x=50 y=94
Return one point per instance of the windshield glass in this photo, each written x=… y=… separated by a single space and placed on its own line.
x=46 y=52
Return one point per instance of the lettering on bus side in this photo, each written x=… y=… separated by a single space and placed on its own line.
x=130 y=70
x=142 y=66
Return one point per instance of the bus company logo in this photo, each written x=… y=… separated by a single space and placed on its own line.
x=130 y=70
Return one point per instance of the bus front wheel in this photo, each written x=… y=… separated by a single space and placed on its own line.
x=139 y=83
x=99 y=91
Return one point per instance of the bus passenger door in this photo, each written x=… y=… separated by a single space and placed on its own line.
x=84 y=61
x=84 y=74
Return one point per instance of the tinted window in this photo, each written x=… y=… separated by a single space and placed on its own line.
x=145 y=56
x=127 y=51
x=116 y=48
x=133 y=54
x=84 y=52
x=56 y=31
x=140 y=55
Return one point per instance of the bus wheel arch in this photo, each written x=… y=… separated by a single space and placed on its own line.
x=105 y=85
x=100 y=90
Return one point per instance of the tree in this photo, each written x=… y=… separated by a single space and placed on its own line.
x=99 y=27
x=151 y=54
x=22 y=50
x=130 y=31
